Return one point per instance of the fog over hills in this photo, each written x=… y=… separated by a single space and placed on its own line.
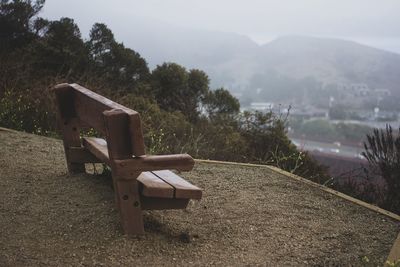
x=286 y=63
x=332 y=61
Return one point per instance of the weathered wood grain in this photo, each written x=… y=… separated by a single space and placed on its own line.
x=98 y=147
x=129 y=205
x=183 y=189
x=153 y=186
x=180 y=162
x=89 y=106
x=68 y=124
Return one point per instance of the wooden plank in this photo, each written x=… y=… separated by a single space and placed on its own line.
x=183 y=189
x=154 y=203
x=129 y=205
x=136 y=134
x=98 y=147
x=117 y=134
x=89 y=106
x=153 y=186
x=103 y=101
x=180 y=162
x=68 y=124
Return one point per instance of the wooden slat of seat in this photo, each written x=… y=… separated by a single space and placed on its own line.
x=153 y=186
x=183 y=189
x=163 y=184
x=98 y=147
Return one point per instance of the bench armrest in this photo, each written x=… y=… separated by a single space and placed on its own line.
x=179 y=162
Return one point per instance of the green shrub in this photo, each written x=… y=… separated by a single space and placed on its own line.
x=382 y=150
x=25 y=112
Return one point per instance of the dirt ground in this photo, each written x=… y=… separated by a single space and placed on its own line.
x=248 y=216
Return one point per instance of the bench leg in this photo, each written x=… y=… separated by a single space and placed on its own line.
x=129 y=206
x=68 y=124
x=70 y=132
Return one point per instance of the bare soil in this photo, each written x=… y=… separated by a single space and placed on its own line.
x=248 y=216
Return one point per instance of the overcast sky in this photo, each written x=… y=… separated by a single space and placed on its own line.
x=372 y=22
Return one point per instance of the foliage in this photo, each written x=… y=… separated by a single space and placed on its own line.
x=382 y=150
x=220 y=102
x=61 y=51
x=266 y=135
x=117 y=65
x=177 y=89
x=19 y=111
x=17 y=22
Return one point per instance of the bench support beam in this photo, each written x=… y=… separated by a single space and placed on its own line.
x=68 y=124
x=129 y=205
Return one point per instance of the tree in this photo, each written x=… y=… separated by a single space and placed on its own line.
x=177 y=89
x=221 y=102
x=382 y=150
x=198 y=83
x=121 y=67
x=127 y=67
x=17 y=32
x=169 y=82
x=16 y=22
x=61 y=51
x=100 y=43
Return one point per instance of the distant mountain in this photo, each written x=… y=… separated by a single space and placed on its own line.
x=241 y=65
x=159 y=42
x=332 y=61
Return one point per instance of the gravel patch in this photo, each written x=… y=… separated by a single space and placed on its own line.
x=248 y=216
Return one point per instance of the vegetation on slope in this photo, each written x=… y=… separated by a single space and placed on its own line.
x=180 y=112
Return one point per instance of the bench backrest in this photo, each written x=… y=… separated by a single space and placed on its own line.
x=120 y=125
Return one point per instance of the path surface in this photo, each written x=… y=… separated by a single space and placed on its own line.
x=248 y=215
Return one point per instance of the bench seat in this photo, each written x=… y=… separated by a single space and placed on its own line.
x=157 y=183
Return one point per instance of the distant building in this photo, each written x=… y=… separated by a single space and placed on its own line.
x=381 y=92
x=262 y=106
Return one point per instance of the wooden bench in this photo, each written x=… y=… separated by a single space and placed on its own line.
x=141 y=182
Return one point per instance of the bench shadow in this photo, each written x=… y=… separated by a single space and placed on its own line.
x=153 y=223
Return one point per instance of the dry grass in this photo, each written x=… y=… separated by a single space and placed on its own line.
x=248 y=216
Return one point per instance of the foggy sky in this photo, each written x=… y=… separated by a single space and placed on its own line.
x=372 y=22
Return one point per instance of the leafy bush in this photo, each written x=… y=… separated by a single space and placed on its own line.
x=24 y=112
x=382 y=150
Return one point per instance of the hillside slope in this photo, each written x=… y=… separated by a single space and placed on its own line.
x=248 y=215
x=332 y=60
